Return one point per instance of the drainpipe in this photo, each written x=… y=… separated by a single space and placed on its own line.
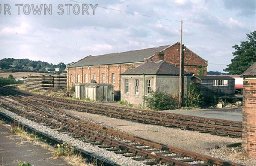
x=143 y=89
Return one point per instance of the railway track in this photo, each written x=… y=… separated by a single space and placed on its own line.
x=205 y=125
x=148 y=152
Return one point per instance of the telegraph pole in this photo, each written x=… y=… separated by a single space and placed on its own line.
x=181 y=74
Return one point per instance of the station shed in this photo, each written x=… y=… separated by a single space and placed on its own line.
x=95 y=92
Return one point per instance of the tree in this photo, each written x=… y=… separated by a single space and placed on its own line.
x=244 y=55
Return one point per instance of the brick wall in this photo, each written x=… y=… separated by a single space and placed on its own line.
x=193 y=63
x=103 y=73
x=249 y=117
x=100 y=73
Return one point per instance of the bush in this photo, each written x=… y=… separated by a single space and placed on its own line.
x=160 y=101
x=199 y=96
x=8 y=81
x=194 y=96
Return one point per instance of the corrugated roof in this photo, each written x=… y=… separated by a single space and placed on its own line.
x=251 y=71
x=117 y=58
x=216 y=77
x=154 y=68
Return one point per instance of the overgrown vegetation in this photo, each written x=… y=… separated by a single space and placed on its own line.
x=199 y=96
x=8 y=81
x=22 y=163
x=125 y=103
x=63 y=150
x=194 y=96
x=161 y=101
x=24 y=65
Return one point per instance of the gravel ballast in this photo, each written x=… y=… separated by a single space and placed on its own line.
x=96 y=151
x=211 y=145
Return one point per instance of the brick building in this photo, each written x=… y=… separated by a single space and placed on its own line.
x=107 y=68
x=249 y=111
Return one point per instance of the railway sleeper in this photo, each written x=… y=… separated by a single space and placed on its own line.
x=113 y=149
x=129 y=154
x=139 y=158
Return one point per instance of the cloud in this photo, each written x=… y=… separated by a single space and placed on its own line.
x=235 y=23
x=210 y=29
x=244 y=8
x=23 y=28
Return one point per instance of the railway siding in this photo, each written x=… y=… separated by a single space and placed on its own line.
x=139 y=149
x=207 y=125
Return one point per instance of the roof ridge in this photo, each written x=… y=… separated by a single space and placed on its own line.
x=132 y=50
x=161 y=63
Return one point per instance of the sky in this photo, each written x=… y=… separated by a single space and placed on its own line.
x=69 y=30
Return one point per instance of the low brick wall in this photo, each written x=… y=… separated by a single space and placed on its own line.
x=249 y=116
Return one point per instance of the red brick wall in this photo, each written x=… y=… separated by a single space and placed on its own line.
x=193 y=63
x=97 y=71
x=171 y=55
x=71 y=77
x=249 y=117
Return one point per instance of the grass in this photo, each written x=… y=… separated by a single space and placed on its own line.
x=125 y=103
x=22 y=163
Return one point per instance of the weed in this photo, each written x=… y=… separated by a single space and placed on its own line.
x=88 y=99
x=21 y=163
x=125 y=103
x=63 y=150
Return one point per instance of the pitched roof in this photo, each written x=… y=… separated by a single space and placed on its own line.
x=251 y=71
x=153 y=68
x=117 y=58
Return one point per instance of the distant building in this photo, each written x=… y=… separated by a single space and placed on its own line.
x=220 y=84
x=109 y=67
x=238 y=83
x=148 y=77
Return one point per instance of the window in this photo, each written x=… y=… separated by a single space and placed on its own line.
x=102 y=77
x=70 y=79
x=93 y=77
x=85 y=78
x=220 y=82
x=126 y=85
x=136 y=86
x=148 y=86
x=78 y=78
x=113 y=78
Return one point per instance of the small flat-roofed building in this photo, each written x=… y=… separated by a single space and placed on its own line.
x=220 y=84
